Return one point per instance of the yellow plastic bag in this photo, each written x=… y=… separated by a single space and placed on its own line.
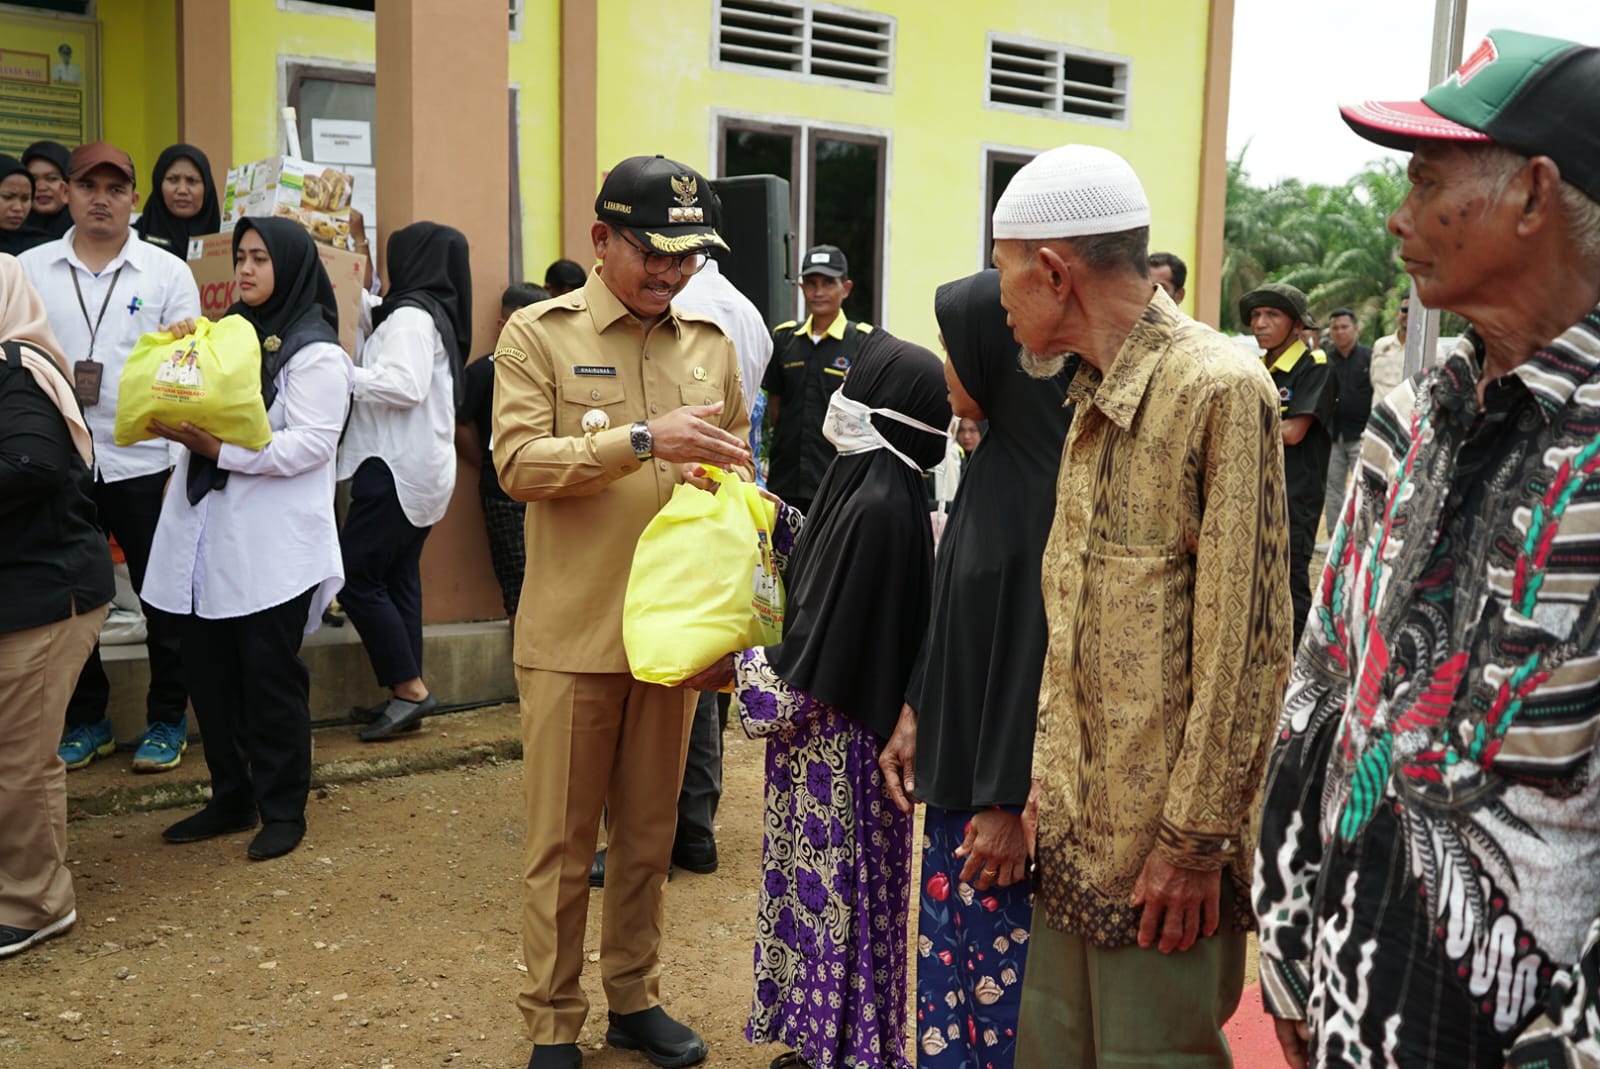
x=703 y=582
x=211 y=378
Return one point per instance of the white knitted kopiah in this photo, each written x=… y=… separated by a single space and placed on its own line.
x=1071 y=191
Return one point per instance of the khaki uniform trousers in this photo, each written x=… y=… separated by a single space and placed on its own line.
x=590 y=738
x=39 y=668
x=1091 y=1007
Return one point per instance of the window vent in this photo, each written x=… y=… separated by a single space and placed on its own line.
x=808 y=40
x=1058 y=80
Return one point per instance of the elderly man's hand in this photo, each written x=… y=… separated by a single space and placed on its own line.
x=1180 y=904
x=684 y=436
x=714 y=676
x=1295 y=1039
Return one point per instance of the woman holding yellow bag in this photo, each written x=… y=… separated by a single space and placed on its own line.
x=831 y=925
x=247 y=551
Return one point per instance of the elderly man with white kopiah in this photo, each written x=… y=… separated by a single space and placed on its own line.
x=1166 y=592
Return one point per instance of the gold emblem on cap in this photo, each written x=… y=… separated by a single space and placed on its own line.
x=595 y=420
x=700 y=374
x=686 y=188
x=683 y=242
x=686 y=215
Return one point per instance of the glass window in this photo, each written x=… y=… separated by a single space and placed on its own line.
x=837 y=181
x=846 y=210
x=1000 y=169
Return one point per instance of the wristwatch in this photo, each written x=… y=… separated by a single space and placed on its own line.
x=639 y=437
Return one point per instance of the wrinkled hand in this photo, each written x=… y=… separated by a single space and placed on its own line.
x=1295 y=1039
x=200 y=442
x=898 y=761
x=683 y=436
x=715 y=676
x=995 y=849
x=770 y=496
x=1030 y=821
x=181 y=329
x=695 y=475
x=1179 y=904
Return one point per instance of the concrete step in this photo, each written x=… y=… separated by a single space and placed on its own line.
x=482 y=735
x=463 y=664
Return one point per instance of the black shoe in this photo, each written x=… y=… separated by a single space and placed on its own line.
x=556 y=1056
x=597 y=871
x=209 y=823
x=695 y=855
x=400 y=715
x=663 y=1040
x=276 y=838
x=367 y=714
x=16 y=940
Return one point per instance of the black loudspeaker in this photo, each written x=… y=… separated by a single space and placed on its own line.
x=757 y=226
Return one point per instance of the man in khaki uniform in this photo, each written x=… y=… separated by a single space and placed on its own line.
x=601 y=395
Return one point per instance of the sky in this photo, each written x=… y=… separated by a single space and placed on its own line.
x=1296 y=61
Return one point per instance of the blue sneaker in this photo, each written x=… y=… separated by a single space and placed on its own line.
x=80 y=746
x=161 y=748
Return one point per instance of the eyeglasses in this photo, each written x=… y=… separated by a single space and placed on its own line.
x=656 y=263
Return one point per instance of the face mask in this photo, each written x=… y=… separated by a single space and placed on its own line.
x=848 y=425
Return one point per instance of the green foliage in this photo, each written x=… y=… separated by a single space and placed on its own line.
x=1332 y=242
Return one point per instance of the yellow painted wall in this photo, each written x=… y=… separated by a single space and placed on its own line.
x=535 y=62
x=139 y=94
x=657 y=93
x=261 y=34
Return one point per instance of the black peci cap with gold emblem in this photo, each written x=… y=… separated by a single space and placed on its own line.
x=667 y=205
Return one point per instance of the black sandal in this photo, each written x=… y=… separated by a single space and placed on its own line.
x=789 y=1060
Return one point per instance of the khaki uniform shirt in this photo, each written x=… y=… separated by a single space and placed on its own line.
x=589 y=496
x=1166 y=589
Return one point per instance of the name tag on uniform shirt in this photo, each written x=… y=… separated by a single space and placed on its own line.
x=594 y=369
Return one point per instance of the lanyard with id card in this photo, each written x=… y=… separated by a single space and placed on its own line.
x=87 y=373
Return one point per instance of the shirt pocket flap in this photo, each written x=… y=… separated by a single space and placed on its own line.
x=593 y=390
x=699 y=393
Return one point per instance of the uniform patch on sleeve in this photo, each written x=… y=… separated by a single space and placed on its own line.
x=513 y=353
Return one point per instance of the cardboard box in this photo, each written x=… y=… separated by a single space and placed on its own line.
x=315 y=196
x=211 y=261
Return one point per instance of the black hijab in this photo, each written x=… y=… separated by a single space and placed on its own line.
x=300 y=311
x=861 y=577
x=429 y=268
x=41 y=228
x=976 y=687
x=159 y=226
x=14 y=241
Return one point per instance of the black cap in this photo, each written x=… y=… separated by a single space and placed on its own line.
x=667 y=205
x=1279 y=295
x=824 y=260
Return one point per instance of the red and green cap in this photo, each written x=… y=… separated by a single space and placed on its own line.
x=1534 y=95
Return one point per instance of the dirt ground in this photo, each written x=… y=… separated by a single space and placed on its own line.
x=388 y=940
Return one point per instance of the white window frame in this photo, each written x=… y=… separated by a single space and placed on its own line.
x=1062 y=52
x=806 y=8
x=810 y=128
x=986 y=153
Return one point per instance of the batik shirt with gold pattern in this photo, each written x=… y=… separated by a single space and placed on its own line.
x=1166 y=588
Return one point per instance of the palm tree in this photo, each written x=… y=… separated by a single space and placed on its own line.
x=1332 y=242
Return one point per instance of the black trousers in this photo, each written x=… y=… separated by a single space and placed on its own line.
x=702 y=772
x=252 y=696
x=128 y=511
x=1302 y=542
x=382 y=592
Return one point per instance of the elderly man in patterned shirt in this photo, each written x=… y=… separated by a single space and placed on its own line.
x=1429 y=870
x=1166 y=592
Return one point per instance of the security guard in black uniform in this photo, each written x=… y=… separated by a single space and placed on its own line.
x=809 y=361
x=1308 y=395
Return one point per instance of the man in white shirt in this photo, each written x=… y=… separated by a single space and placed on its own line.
x=694 y=848
x=103 y=287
